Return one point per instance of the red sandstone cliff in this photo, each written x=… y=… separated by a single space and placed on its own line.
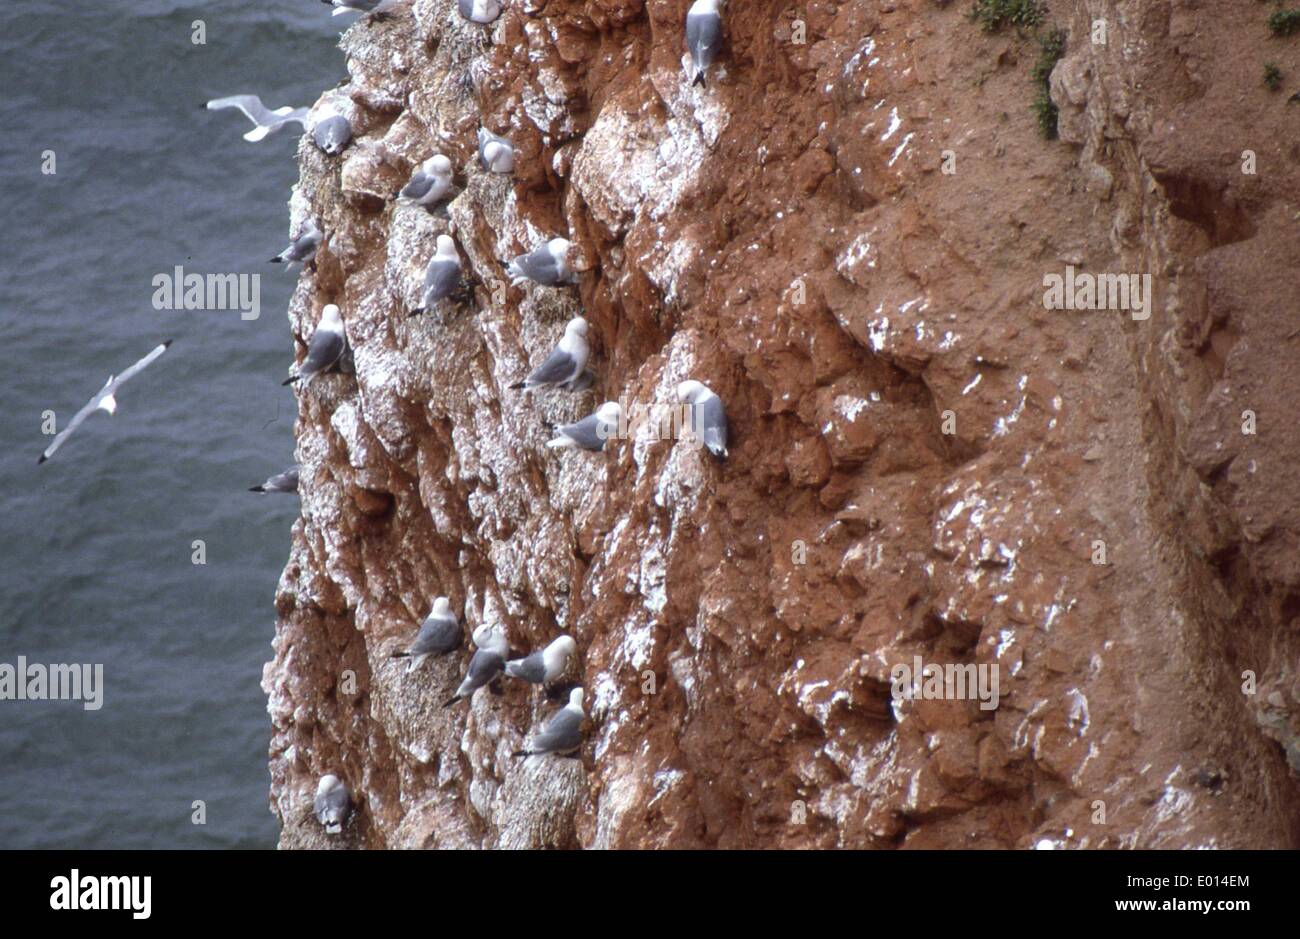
x=796 y=236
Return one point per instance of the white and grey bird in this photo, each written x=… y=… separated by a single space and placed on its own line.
x=708 y=420
x=325 y=349
x=545 y=665
x=280 y=482
x=547 y=264
x=592 y=431
x=430 y=184
x=332 y=134
x=562 y=733
x=565 y=364
x=302 y=249
x=495 y=153
x=703 y=35
x=266 y=119
x=442 y=278
x=488 y=661
x=104 y=400
x=479 y=11
x=439 y=634
x=333 y=804
x=379 y=7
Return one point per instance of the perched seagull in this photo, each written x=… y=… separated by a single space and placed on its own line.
x=479 y=11
x=547 y=264
x=440 y=634
x=430 y=184
x=332 y=134
x=486 y=664
x=104 y=399
x=325 y=349
x=703 y=35
x=592 y=431
x=280 y=482
x=301 y=250
x=565 y=364
x=442 y=278
x=379 y=7
x=265 y=119
x=333 y=805
x=495 y=153
x=544 y=665
x=708 y=420
x=561 y=734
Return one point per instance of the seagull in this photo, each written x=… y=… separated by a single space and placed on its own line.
x=592 y=431
x=442 y=278
x=332 y=134
x=565 y=364
x=544 y=665
x=561 y=734
x=333 y=805
x=486 y=664
x=301 y=250
x=430 y=184
x=104 y=399
x=547 y=264
x=495 y=153
x=708 y=421
x=440 y=634
x=265 y=119
x=325 y=349
x=379 y=7
x=479 y=11
x=280 y=482
x=703 y=35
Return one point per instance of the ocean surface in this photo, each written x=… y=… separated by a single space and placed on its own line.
x=98 y=542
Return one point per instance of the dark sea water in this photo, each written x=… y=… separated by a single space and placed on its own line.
x=96 y=543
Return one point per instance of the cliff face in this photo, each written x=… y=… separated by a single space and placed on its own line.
x=847 y=239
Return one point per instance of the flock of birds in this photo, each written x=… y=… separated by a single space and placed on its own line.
x=432 y=186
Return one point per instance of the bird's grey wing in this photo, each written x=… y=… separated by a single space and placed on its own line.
x=325 y=349
x=466 y=8
x=86 y=410
x=530 y=668
x=437 y=635
x=562 y=733
x=140 y=366
x=483 y=667
x=713 y=424
x=586 y=433
x=251 y=105
x=418 y=187
x=703 y=38
x=332 y=130
x=558 y=367
x=284 y=482
x=305 y=245
x=441 y=279
x=539 y=266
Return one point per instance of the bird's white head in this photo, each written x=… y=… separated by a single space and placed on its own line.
x=330 y=317
x=611 y=412
x=490 y=636
x=328 y=783
x=108 y=403
x=691 y=392
x=441 y=607
x=437 y=165
x=576 y=327
x=559 y=652
x=559 y=248
x=575 y=698
x=446 y=246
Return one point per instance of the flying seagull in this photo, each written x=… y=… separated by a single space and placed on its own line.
x=302 y=249
x=442 y=277
x=280 y=482
x=708 y=421
x=547 y=264
x=486 y=664
x=561 y=734
x=703 y=35
x=592 y=431
x=544 y=665
x=104 y=399
x=479 y=11
x=565 y=364
x=440 y=634
x=332 y=134
x=495 y=153
x=325 y=349
x=333 y=805
x=430 y=184
x=265 y=119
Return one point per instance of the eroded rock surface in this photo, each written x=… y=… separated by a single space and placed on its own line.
x=846 y=238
